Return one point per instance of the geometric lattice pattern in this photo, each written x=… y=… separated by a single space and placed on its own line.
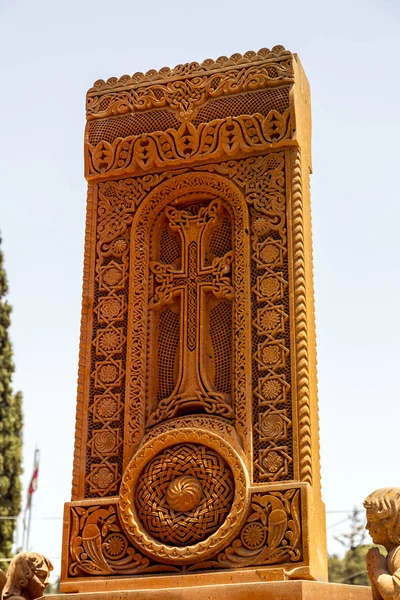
x=196 y=462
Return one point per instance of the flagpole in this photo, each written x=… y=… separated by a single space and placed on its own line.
x=30 y=492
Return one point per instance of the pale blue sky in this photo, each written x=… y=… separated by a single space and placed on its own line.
x=51 y=52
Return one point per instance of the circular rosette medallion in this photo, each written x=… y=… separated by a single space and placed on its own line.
x=184 y=495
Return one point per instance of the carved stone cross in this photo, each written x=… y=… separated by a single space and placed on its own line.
x=190 y=283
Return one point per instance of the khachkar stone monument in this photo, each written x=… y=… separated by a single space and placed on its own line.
x=196 y=450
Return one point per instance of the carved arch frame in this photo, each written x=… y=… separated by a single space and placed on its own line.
x=137 y=352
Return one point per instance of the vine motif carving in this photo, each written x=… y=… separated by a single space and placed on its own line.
x=99 y=546
x=193 y=69
x=208 y=141
x=187 y=94
x=270 y=535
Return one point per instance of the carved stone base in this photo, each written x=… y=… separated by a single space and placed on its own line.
x=234 y=590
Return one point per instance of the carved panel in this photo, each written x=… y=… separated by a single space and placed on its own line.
x=271 y=533
x=263 y=183
x=216 y=140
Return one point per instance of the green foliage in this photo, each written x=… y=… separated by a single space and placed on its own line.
x=10 y=429
x=351 y=569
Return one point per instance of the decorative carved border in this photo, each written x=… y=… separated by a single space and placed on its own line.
x=263 y=182
x=164 y=193
x=187 y=94
x=98 y=545
x=192 y=69
x=301 y=327
x=78 y=471
x=189 y=144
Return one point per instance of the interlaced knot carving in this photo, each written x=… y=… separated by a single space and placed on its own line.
x=193 y=467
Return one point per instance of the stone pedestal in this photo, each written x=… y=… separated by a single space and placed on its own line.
x=233 y=590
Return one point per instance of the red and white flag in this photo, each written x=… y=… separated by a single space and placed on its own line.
x=34 y=479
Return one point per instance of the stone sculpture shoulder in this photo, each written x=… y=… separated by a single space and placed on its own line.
x=383 y=523
x=27 y=577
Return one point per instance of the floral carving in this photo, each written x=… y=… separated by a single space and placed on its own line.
x=119 y=247
x=108 y=373
x=111 y=308
x=271 y=535
x=106 y=408
x=98 y=545
x=253 y=536
x=273 y=425
x=194 y=69
x=115 y=546
x=188 y=144
x=270 y=354
x=187 y=94
x=272 y=462
x=103 y=478
x=112 y=276
x=271 y=389
x=270 y=286
x=105 y=442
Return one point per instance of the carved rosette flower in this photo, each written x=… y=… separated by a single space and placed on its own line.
x=271 y=389
x=269 y=286
x=261 y=226
x=270 y=319
x=112 y=276
x=270 y=354
x=269 y=254
x=108 y=373
x=105 y=442
x=109 y=341
x=253 y=536
x=103 y=478
x=107 y=407
x=110 y=308
x=115 y=545
x=272 y=462
x=119 y=247
x=272 y=425
x=184 y=493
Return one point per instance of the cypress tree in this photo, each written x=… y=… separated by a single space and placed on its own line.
x=10 y=428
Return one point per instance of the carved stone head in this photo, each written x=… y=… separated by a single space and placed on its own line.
x=383 y=517
x=27 y=576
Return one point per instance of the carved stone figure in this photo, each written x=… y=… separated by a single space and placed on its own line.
x=383 y=524
x=3 y=579
x=27 y=577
